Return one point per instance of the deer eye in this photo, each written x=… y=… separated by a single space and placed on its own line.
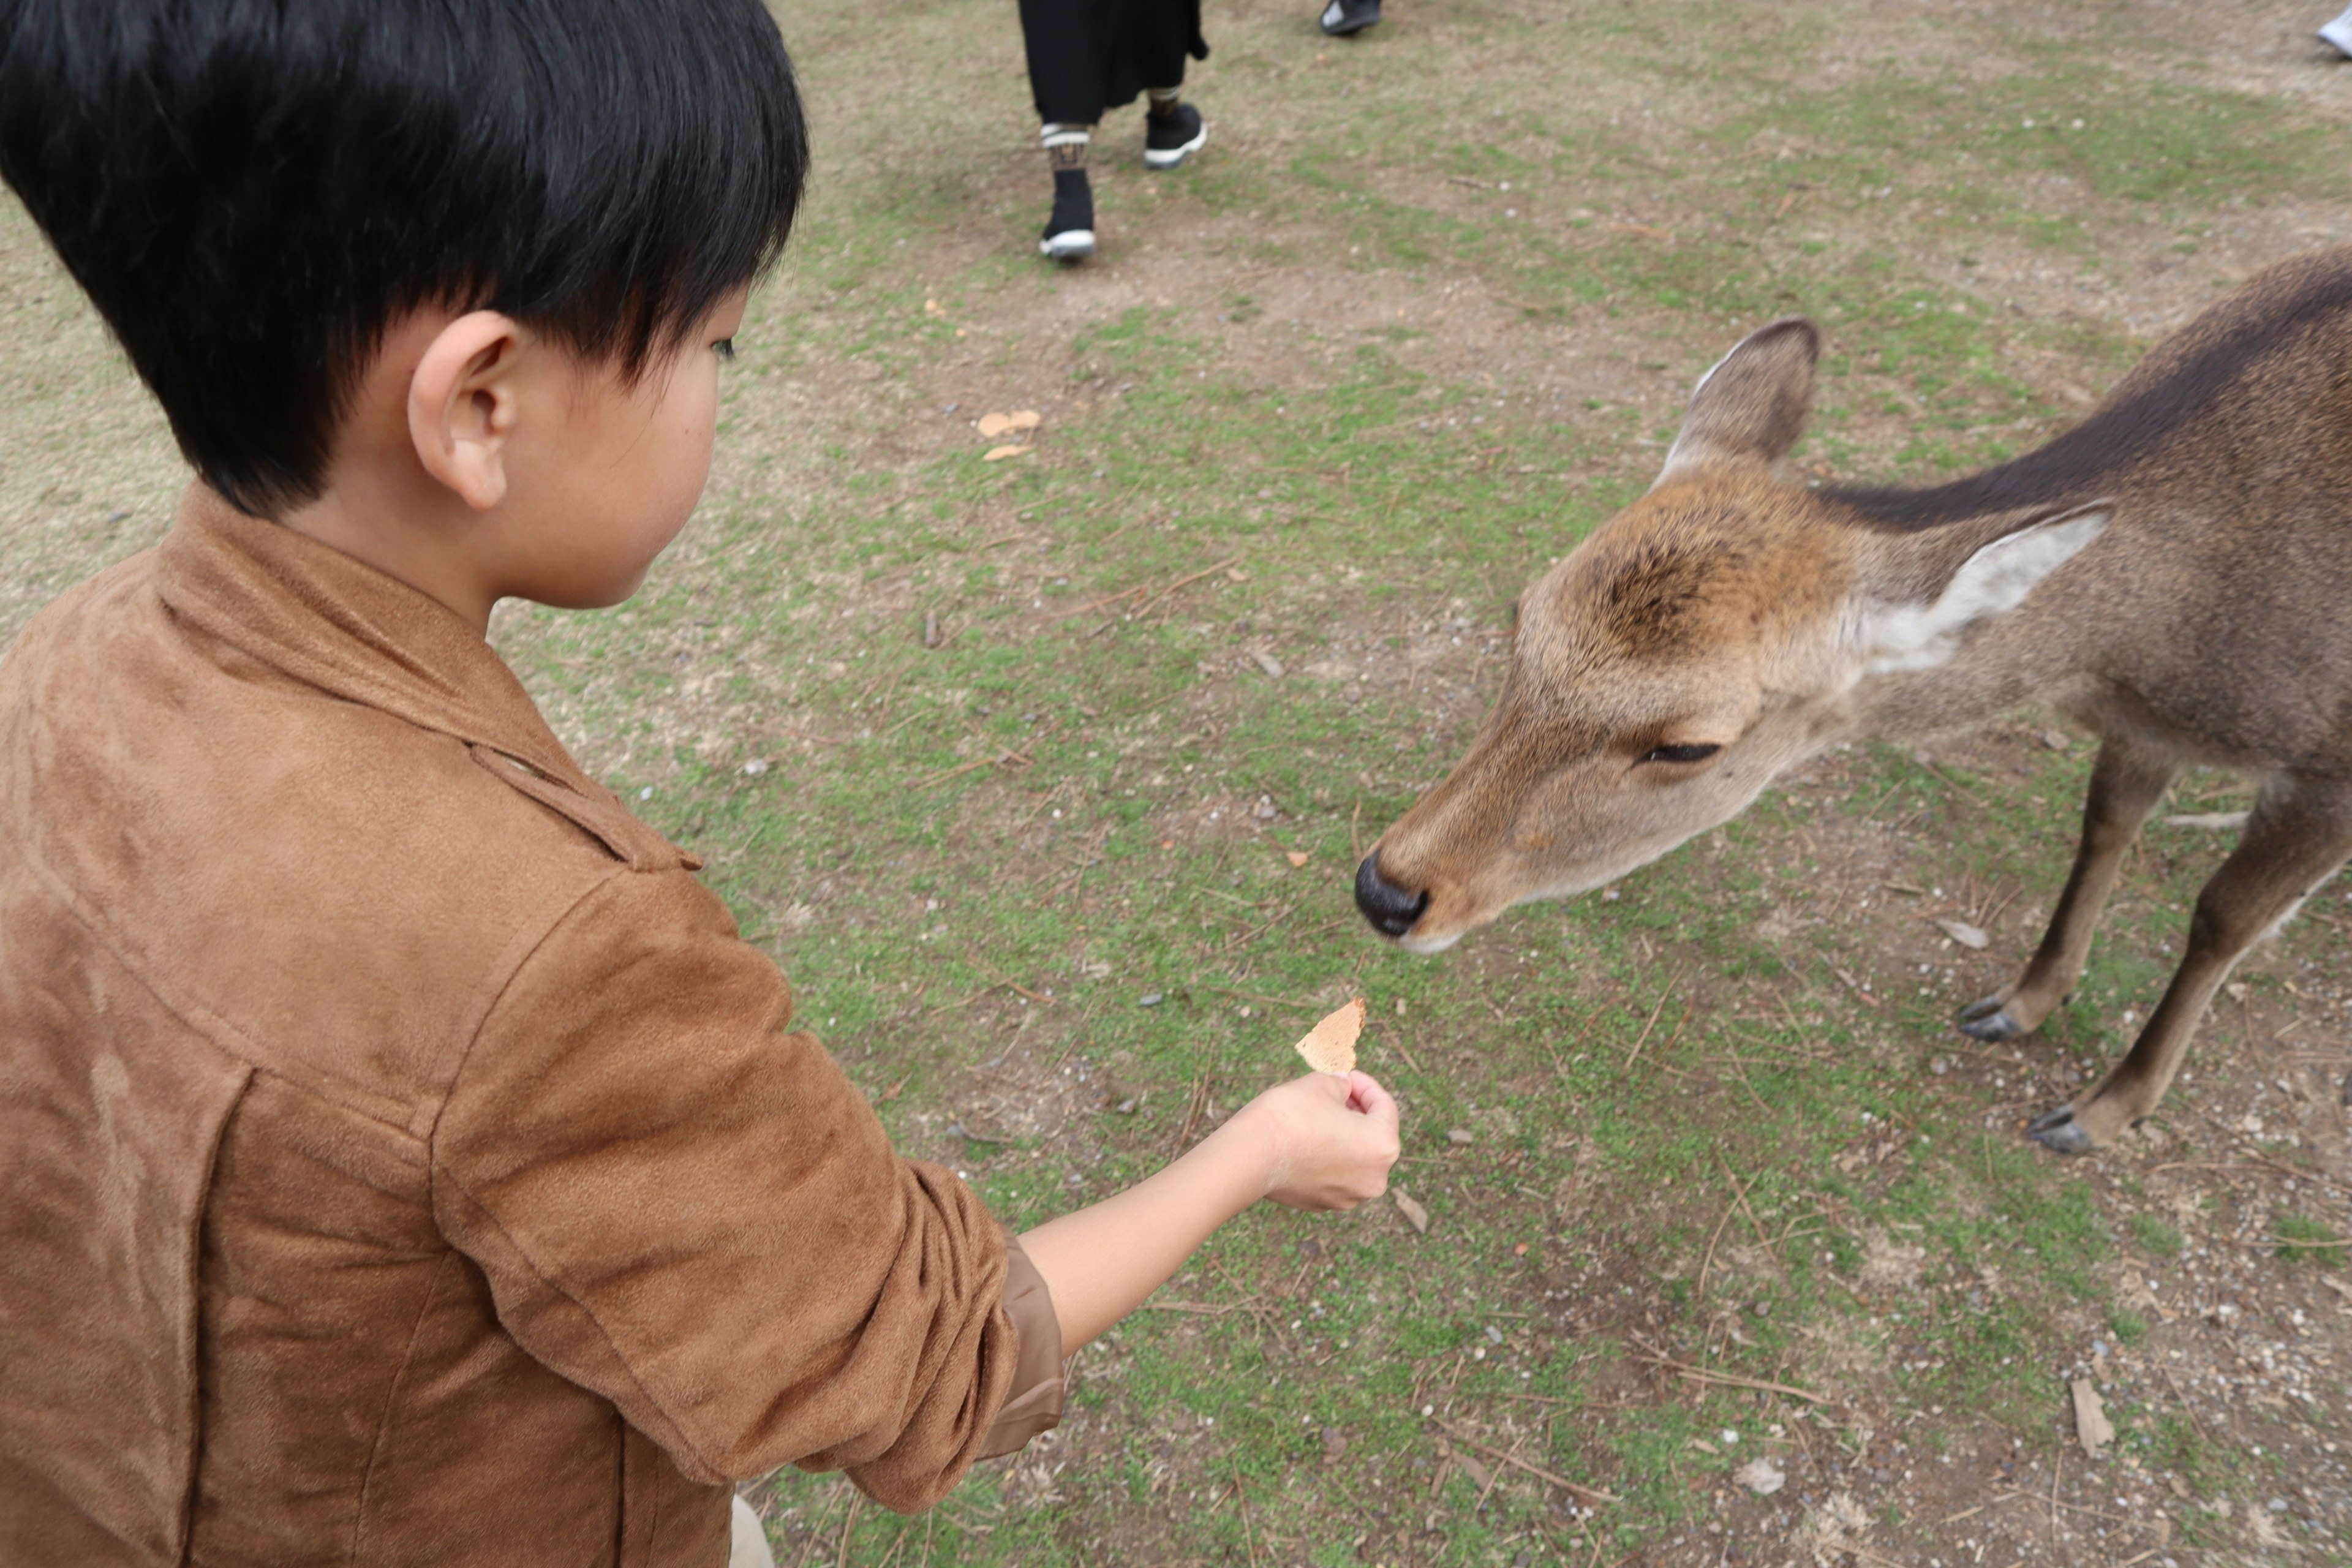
x=1693 y=754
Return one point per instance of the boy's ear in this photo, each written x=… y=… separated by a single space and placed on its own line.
x=462 y=405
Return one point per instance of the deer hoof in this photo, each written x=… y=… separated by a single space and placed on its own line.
x=2058 y=1130
x=1989 y=1020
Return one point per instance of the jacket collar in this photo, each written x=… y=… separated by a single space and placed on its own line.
x=333 y=622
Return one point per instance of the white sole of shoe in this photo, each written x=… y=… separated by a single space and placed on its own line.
x=1070 y=245
x=1170 y=158
x=2337 y=36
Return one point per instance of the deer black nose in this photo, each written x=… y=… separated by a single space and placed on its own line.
x=1390 y=909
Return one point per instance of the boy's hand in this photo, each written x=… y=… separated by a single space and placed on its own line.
x=1329 y=1139
x=1321 y=1142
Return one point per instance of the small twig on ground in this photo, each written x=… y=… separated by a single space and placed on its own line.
x=1186 y=582
x=1192 y=1112
x=1205 y=1308
x=1406 y=1053
x=1701 y=1375
x=1106 y=599
x=1861 y=992
x=1269 y=1001
x=1643 y=1038
x=2057 y=1471
x=2186 y=1408
x=841 y=1558
x=1595 y=1493
x=2071 y=1507
x=996 y=975
x=1741 y=1194
x=1699 y=1294
x=817 y=1530
x=1249 y=1537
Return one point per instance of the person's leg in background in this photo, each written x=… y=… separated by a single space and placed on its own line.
x=1066 y=79
x=1070 y=229
x=1160 y=36
x=1173 y=129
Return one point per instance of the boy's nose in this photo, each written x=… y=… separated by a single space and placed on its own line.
x=1390 y=909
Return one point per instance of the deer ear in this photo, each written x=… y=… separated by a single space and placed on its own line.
x=1750 y=408
x=1992 y=582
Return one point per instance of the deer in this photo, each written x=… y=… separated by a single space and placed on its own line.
x=2174 y=573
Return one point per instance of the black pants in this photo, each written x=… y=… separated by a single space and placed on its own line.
x=1087 y=57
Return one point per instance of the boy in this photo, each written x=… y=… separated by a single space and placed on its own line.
x=400 y=1158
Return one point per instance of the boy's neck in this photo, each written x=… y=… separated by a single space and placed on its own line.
x=405 y=544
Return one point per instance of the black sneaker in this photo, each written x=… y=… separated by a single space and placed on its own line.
x=1070 y=233
x=1170 y=139
x=1342 y=17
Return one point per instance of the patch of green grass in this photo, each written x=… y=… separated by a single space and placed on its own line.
x=2157 y=1238
x=2299 y=1238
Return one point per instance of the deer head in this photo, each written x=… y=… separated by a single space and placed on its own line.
x=1701 y=641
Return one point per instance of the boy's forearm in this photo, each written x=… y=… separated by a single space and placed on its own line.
x=1100 y=1262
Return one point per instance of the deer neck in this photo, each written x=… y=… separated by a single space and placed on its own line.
x=2003 y=667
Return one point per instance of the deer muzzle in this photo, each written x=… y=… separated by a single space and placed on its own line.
x=1391 y=910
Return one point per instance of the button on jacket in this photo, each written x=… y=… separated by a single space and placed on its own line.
x=401 y=1158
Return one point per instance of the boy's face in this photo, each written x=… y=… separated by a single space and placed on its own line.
x=617 y=471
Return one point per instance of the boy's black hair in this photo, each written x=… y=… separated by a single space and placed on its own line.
x=251 y=191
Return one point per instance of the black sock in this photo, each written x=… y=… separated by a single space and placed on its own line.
x=1160 y=102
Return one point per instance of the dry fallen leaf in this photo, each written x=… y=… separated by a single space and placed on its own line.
x=998 y=454
x=1965 y=935
x=1296 y=857
x=1415 y=1216
x=1760 y=1476
x=2092 y=1427
x=1330 y=1045
x=992 y=425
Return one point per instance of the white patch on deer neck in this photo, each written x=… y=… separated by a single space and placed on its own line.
x=1993 y=582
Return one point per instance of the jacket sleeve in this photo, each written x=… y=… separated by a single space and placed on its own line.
x=687 y=1208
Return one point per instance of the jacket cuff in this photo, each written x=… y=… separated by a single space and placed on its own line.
x=1035 y=1404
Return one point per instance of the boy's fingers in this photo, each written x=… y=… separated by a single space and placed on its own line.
x=1365 y=1093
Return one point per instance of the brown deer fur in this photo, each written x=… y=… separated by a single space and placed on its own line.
x=2174 y=573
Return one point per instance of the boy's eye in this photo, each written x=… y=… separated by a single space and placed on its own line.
x=726 y=347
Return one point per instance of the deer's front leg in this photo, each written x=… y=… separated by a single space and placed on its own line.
x=2299 y=834
x=2125 y=787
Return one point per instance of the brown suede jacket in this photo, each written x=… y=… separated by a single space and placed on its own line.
x=401 y=1158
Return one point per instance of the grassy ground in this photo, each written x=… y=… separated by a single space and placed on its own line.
x=1011 y=765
